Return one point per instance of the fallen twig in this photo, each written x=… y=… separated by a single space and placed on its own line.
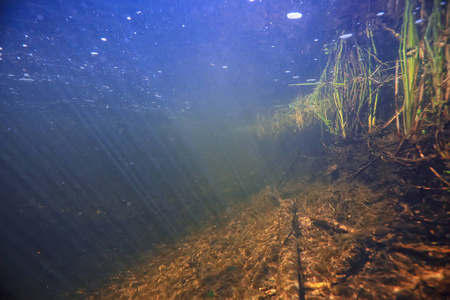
x=439 y=176
x=362 y=168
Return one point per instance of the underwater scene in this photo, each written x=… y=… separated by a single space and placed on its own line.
x=226 y=149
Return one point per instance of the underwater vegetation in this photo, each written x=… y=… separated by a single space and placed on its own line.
x=348 y=89
x=359 y=96
x=345 y=99
x=318 y=234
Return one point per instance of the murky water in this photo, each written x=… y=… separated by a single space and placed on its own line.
x=158 y=150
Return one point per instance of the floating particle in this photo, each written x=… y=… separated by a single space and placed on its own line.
x=346 y=36
x=420 y=21
x=294 y=15
x=311 y=80
x=24 y=45
x=103 y=39
x=380 y=13
x=26 y=79
x=295 y=77
x=224 y=67
x=128 y=18
x=287 y=71
x=316 y=40
x=93 y=53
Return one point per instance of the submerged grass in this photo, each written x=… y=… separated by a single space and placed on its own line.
x=409 y=64
x=346 y=98
x=346 y=94
x=434 y=45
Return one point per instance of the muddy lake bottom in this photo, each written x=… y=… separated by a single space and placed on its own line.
x=310 y=240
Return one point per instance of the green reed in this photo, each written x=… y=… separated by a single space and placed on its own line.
x=409 y=65
x=434 y=45
x=373 y=92
x=347 y=90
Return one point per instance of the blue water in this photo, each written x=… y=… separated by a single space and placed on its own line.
x=128 y=123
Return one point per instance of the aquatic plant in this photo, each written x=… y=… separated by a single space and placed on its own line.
x=345 y=99
x=409 y=64
x=275 y=123
x=373 y=92
x=348 y=88
x=434 y=46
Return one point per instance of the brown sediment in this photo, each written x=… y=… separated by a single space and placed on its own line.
x=321 y=241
